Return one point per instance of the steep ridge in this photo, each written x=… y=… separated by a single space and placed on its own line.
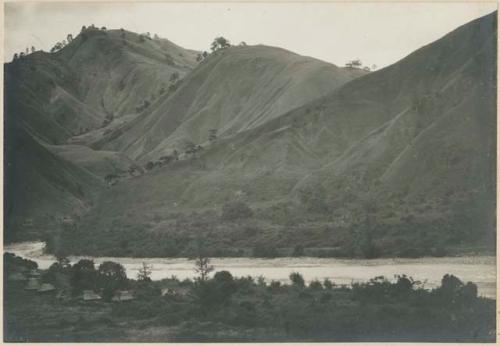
x=233 y=90
x=100 y=78
x=398 y=162
x=41 y=189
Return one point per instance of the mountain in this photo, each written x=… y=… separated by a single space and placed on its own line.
x=98 y=80
x=399 y=162
x=232 y=91
x=259 y=151
x=99 y=74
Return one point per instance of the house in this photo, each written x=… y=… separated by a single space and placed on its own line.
x=89 y=295
x=17 y=277
x=67 y=220
x=122 y=296
x=175 y=291
x=63 y=295
x=34 y=273
x=28 y=223
x=45 y=287
x=33 y=284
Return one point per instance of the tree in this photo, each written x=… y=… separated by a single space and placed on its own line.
x=174 y=77
x=27 y=50
x=219 y=43
x=190 y=148
x=298 y=251
x=32 y=49
x=315 y=285
x=111 y=277
x=203 y=267
x=83 y=28
x=69 y=38
x=212 y=135
x=144 y=273
x=103 y=28
x=16 y=56
x=83 y=275
x=111 y=179
x=243 y=43
x=297 y=279
x=354 y=63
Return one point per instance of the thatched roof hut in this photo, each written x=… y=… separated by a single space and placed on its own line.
x=33 y=284
x=46 y=287
x=122 y=296
x=89 y=295
x=17 y=277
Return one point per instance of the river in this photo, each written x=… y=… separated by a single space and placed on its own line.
x=479 y=269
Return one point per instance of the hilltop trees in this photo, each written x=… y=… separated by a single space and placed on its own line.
x=219 y=43
x=212 y=135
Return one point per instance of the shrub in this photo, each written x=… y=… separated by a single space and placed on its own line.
x=297 y=279
x=236 y=210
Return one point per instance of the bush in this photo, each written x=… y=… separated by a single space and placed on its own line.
x=297 y=280
x=236 y=210
x=264 y=251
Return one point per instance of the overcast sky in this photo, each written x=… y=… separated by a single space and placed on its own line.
x=377 y=33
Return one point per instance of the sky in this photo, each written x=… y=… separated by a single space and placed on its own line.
x=377 y=33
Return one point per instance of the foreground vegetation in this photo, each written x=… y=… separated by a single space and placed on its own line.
x=220 y=307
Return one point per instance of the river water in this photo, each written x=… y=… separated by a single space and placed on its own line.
x=479 y=269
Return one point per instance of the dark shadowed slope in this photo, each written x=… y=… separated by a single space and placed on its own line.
x=41 y=188
x=400 y=161
x=100 y=77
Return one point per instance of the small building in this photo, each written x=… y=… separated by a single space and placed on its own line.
x=17 y=277
x=46 y=287
x=28 y=223
x=33 y=284
x=175 y=291
x=63 y=295
x=89 y=295
x=122 y=296
x=34 y=273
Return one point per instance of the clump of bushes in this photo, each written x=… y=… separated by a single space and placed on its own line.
x=236 y=210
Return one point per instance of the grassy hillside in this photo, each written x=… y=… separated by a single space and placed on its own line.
x=398 y=162
x=233 y=90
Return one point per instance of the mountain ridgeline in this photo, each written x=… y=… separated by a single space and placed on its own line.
x=253 y=150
